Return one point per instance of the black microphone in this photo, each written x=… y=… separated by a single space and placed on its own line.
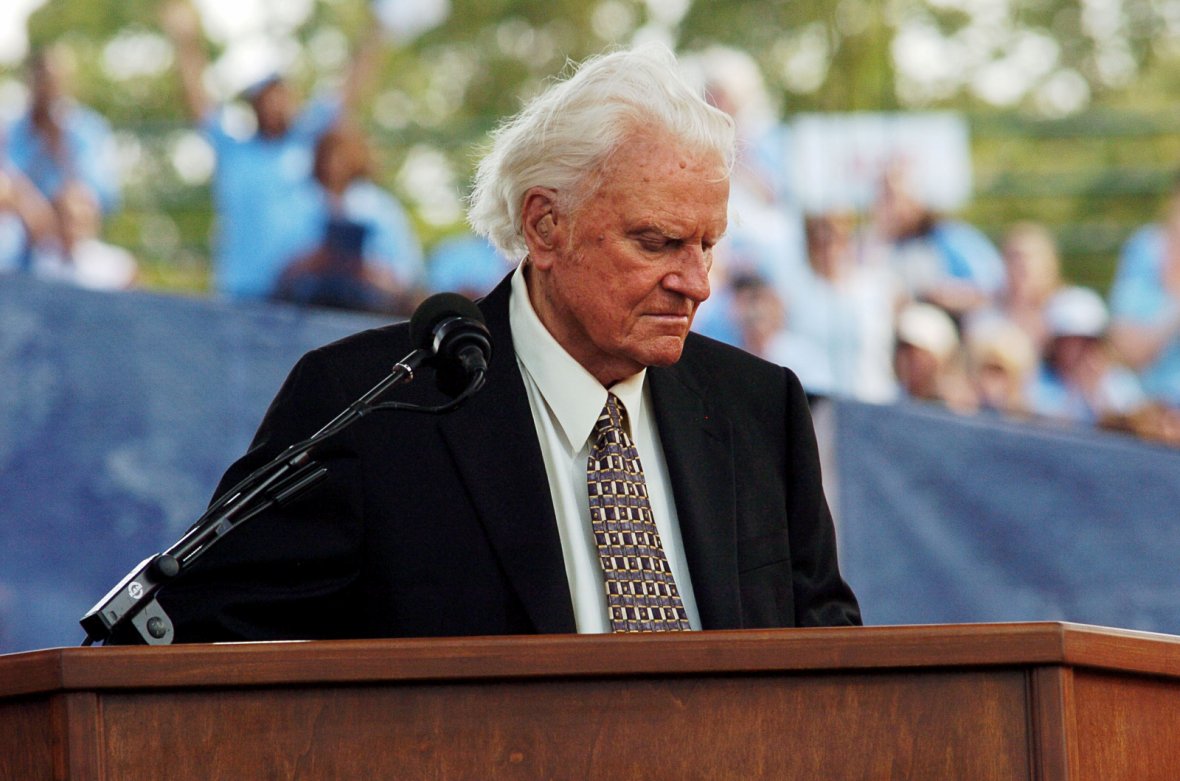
x=452 y=328
x=446 y=329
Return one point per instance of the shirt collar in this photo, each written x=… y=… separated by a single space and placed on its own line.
x=572 y=394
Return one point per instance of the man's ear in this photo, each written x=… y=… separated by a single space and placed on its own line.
x=539 y=222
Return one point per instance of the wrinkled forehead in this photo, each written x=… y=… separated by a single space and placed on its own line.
x=657 y=180
x=655 y=157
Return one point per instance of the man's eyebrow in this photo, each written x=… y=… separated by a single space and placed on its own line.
x=648 y=226
x=651 y=227
x=650 y=233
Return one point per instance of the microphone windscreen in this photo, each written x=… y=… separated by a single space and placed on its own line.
x=434 y=310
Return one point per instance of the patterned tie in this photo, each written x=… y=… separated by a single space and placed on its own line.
x=640 y=591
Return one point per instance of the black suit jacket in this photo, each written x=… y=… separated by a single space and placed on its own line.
x=432 y=525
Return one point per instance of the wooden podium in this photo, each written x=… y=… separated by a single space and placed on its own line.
x=981 y=701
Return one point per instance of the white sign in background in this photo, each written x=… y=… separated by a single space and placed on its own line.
x=839 y=159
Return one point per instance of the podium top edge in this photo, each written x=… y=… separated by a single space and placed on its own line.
x=719 y=652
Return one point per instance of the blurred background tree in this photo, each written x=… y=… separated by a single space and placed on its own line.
x=1071 y=104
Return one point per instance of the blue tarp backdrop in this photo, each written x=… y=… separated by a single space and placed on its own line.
x=118 y=413
x=949 y=519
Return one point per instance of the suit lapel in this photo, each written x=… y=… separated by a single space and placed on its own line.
x=698 y=451
x=493 y=441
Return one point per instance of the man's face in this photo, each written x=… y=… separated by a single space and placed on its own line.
x=620 y=280
x=47 y=82
x=1069 y=352
x=275 y=108
x=916 y=369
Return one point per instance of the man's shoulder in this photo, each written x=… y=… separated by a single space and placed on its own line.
x=365 y=351
x=753 y=394
x=709 y=362
x=705 y=350
x=370 y=336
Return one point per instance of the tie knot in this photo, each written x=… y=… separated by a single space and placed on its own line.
x=612 y=416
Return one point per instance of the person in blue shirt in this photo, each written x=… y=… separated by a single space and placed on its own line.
x=365 y=254
x=940 y=260
x=1080 y=380
x=1145 y=304
x=265 y=198
x=26 y=219
x=58 y=140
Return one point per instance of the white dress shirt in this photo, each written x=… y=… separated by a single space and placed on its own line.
x=566 y=401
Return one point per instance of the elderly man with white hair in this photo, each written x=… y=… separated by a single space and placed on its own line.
x=617 y=473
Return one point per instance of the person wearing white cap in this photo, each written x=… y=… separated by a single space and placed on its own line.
x=925 y=354
x=1080 y=380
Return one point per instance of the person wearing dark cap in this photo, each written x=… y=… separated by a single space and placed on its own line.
x=264 y=195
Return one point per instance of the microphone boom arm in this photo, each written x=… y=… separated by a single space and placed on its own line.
x=277 y=482
x=445 y=325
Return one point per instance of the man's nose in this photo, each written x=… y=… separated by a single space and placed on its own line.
x=691 y=276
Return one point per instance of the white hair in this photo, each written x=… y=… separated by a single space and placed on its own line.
x=563 y=138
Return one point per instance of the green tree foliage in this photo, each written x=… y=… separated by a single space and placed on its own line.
x=1070 y=102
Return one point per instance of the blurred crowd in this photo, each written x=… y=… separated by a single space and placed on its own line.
x=299 y=215
x=894 y=301
x=58 y=181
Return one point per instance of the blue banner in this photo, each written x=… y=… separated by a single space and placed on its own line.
x=119 y=412
x=944 y=519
